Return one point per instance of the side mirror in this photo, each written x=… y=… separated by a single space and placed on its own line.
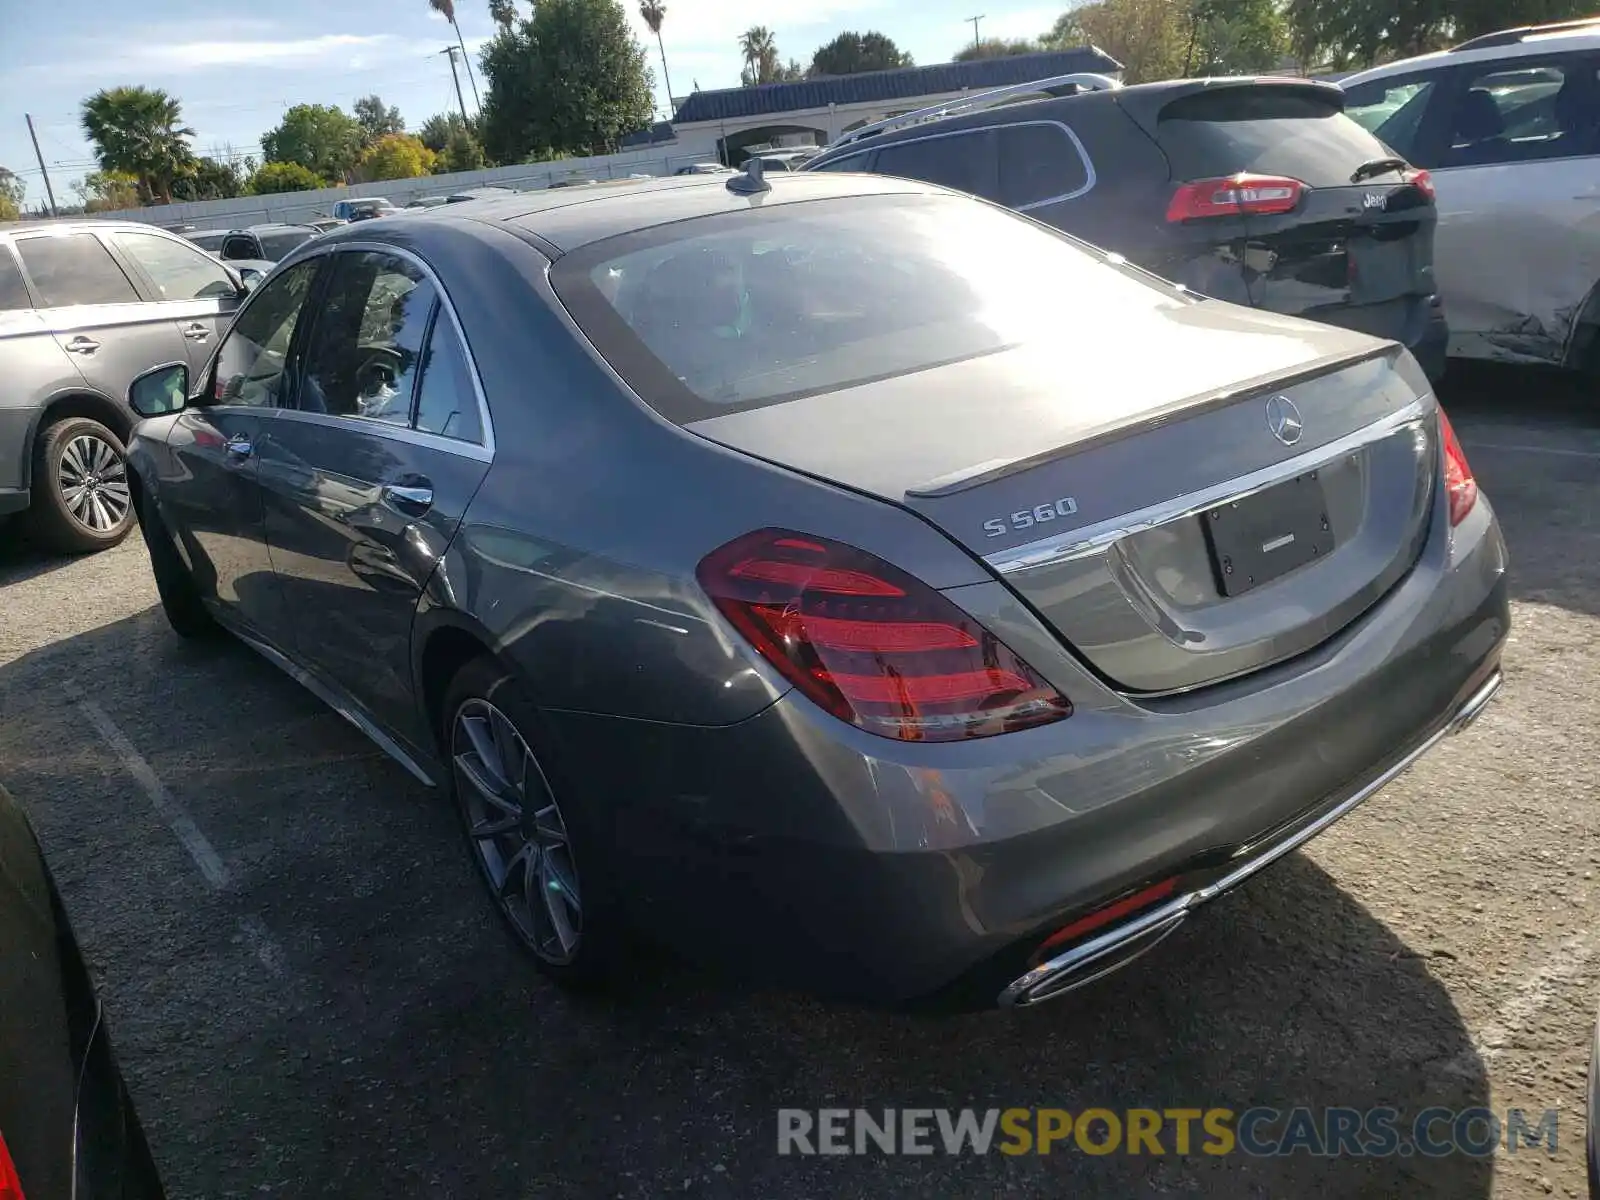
x=160 y=391
x=250 y=277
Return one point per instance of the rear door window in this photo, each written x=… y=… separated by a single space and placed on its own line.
x=1525 y=110
x=1265 y=131
x=963 y=161
x=1039 y=163
x=74 y=269
x=13 y=293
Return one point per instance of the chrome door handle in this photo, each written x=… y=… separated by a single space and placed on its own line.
x=82 y=345
x=197 y=332
x=411 y=500
x=239 y=446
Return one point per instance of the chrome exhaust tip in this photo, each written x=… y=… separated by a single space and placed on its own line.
x=1095 y=959
x=1479 y=700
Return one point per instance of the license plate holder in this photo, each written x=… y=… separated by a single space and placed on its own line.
x=1263 y=537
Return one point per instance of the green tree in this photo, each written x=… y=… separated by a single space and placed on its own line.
x=322 y=138
x=570 y=79
x=996 y=48
x=1355 y=33
x=140 y=132
x=850 y=53
x=106 y=191
x=396 y=156
x=12 y=190
x=376 y=120
x=1150 y=38
x=654 y=13
x=503 y=13
x=438 y=129
x=461 y=153
x=1235 y=37
x=274 y=177
x=760 y=51
x=212 y=180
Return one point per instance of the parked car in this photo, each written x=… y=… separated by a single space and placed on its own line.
x=84 y=307
x=880 y=591
x=209 y=240
x=67 y=1125
x=323 y=224
x=704 y=168
x=1508 y=125
x=264 y=243
x=1257 y=191
x=786 y=160
x=427 y=202
x=364 y=209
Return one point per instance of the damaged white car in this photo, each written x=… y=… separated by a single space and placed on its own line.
x=1509 y=127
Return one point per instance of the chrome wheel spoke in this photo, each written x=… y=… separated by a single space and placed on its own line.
x=98 y=517
x=72 y=460
x=103 y=457
x=490 y=790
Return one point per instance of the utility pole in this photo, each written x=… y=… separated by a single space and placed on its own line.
x=450 y=52
x=976 y=44
x=48 y=190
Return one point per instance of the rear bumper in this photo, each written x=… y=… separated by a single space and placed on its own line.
x=1432 y=343
x=807 y=853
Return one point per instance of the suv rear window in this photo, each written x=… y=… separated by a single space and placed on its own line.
x=1266 y=131
x=1038 y=162
x=744 y=310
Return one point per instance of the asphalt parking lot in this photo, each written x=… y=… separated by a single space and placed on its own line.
x=311 y=998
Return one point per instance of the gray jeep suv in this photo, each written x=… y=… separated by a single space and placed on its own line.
x=85 y=306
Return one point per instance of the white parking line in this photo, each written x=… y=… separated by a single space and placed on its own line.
x=1532 y=996
x=1520 y=448
x=168 y=809
x=251 y=927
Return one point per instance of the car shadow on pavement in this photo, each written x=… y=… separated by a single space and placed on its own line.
x=386 y=1038
x=21 y=560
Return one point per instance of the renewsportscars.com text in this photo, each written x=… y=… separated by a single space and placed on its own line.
x=1261 y=1132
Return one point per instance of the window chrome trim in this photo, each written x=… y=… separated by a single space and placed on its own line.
x=1093 y=539
x=369 y=427
x=1083 y=156
x=483 y=450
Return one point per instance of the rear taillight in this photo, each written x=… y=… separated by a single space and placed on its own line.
x=10 y=1185
x=1421 y=180
x=1242 y=194
x=1459 y=485
x=870 y=644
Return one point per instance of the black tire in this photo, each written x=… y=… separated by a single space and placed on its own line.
x=180 y=598
x=53 y=521
x=604 y=943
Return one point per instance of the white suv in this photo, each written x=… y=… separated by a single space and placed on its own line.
x=1509 y=127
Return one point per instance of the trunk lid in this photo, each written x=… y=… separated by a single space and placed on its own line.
x=1356 y=251
x=1140 y=503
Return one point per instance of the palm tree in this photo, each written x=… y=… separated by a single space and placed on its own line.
x=760 y=50
x=502 y=13
x=654 y=12
x=447 y=10
x=139 y=131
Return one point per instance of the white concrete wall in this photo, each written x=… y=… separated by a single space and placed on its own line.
x=662 y=159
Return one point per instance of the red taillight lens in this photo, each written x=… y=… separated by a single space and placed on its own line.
x=872 y=645
x=1101 y=917
x=1421 y=180
x=10 y=1185
x=1250 y=195
x=1459 y=484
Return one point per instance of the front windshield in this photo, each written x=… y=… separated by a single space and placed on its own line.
x=755 y=308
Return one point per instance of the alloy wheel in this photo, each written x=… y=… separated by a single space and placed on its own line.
x=94 y=483
x=517 y=831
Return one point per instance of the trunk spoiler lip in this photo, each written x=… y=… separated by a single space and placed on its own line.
x=1188 y=406
x=1091 y=539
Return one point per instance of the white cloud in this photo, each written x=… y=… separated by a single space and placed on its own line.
x=1022 y=23
x=194 y=56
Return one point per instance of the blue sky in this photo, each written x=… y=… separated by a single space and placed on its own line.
x=235 y=76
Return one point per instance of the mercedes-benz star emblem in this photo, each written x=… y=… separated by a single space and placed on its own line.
x=1283 y=418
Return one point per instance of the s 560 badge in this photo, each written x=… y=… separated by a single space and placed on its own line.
x=1027 y=518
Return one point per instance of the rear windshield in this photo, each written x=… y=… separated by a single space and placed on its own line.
x=207 y=241
x=748 y=309
x=1265 y=131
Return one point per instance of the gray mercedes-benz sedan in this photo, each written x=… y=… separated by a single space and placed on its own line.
x=828 y=576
